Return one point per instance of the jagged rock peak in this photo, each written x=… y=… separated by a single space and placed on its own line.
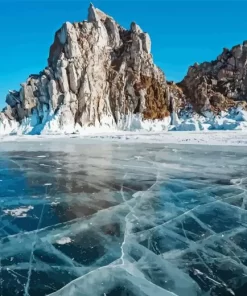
x=92 y=14
x=97 y=73
x=95 y=14
x=219 y=84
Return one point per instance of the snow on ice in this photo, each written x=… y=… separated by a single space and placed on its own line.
x=235 y=119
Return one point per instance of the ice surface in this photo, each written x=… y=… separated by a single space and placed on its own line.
x=122 y=219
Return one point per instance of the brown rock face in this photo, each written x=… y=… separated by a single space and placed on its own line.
x=219 y=84
x=157 y=100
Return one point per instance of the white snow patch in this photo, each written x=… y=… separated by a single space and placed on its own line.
x=7 y=126
x=54 y=203
x=205 y=137
x=64 y=241
x=236 y=181
x=51 y=125
x=233 y=119
x=35 y=196
x=19 y=212
x=189 y=125
x=135 y=122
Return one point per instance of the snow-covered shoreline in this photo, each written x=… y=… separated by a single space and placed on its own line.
x=223 y=138
x=187 y=120
x=229 y=129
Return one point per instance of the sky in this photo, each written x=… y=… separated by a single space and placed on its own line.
x=182 y=32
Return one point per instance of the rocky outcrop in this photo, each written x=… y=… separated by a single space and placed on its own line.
x=100 y=74
x=219 y=84
x=97 y=73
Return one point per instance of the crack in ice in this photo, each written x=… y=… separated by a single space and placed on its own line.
x=26 y=289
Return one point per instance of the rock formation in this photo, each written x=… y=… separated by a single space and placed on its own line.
x=100 y=74
x=97 y=73
x=219 y=84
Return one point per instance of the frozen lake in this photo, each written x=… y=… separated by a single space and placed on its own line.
x=98 y=218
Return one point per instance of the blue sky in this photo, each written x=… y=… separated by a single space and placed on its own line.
x=182 y=32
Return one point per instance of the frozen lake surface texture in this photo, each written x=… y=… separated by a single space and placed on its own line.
x=104 y=218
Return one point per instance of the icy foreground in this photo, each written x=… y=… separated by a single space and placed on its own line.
x=138 y=219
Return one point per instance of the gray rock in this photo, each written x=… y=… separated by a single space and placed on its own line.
x=13 y=98
x=135 y=28
x=73 y=82
x=113 y=32
x=53 y=94
x=146 y=42
x=8 y=112
x=92 y=14
x=29 y=100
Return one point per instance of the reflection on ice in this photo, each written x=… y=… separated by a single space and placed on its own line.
x=130 y=220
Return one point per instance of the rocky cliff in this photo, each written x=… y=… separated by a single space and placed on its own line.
x=97 y=73
x=219 y=84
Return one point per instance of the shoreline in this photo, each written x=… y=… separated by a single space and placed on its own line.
x=225 y=138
